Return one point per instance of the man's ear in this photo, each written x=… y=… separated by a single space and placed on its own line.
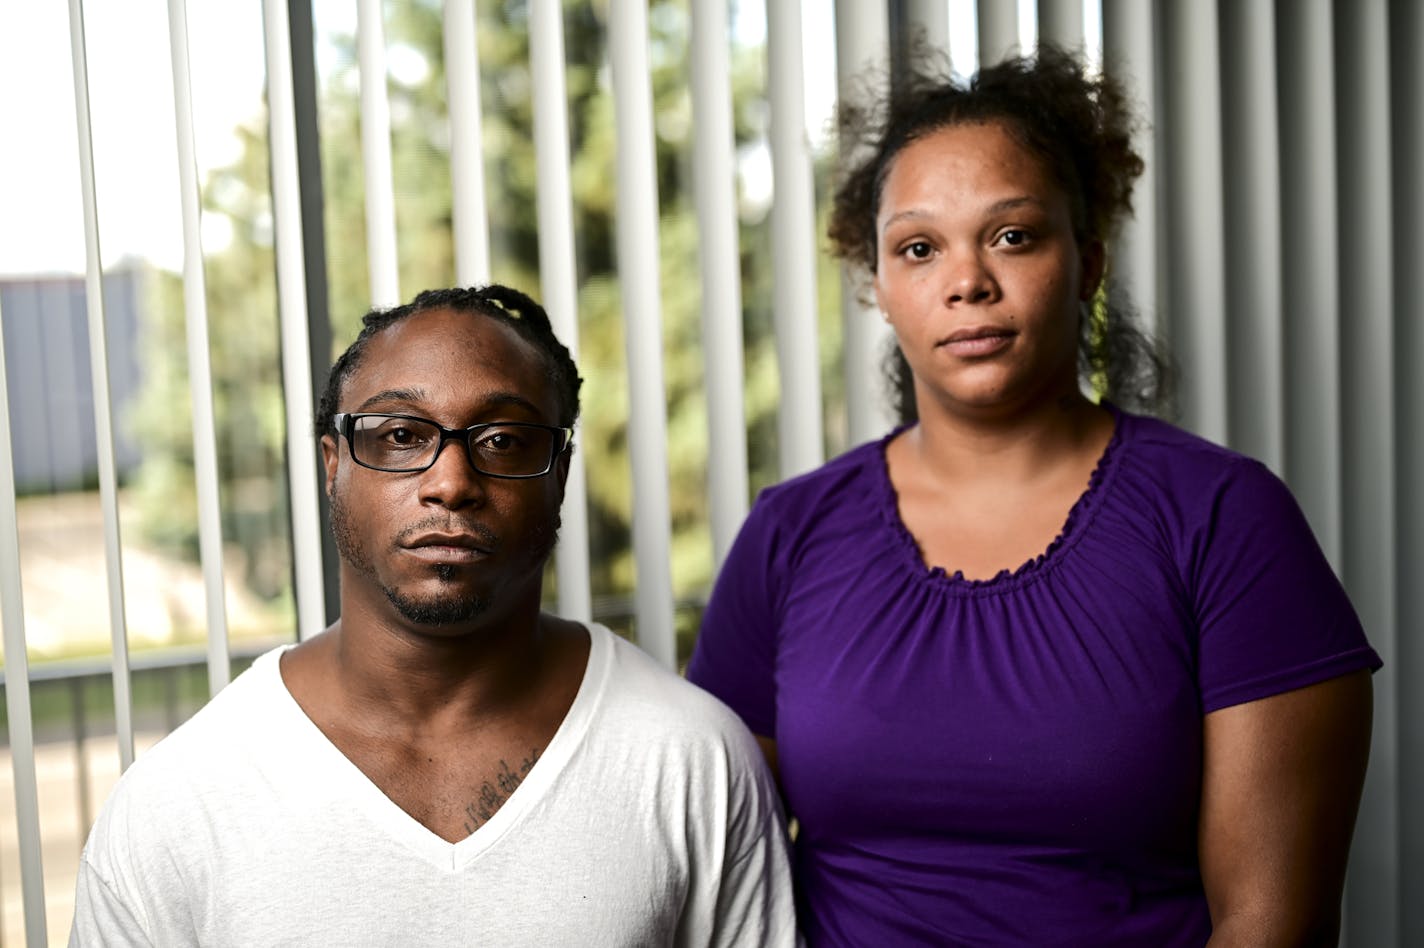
x=330 y=457
x=1094 y=261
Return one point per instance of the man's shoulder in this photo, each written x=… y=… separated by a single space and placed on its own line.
x=664 y=703
x=214 y=739
x=168 y=798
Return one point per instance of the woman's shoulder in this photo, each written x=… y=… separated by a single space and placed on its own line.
x=855 y=472
x=1182 y=474
x=1163 y=441
x=1174 y=456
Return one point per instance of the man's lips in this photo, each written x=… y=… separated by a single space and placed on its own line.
x=978 y=341
x=449 y=547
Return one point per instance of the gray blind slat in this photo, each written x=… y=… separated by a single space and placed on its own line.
x=1407 y=91
x=1366 y=313
x=998 y=24
x=1196 y=298
x=928 y=18
x=1061 y=22
x=1406 y=29
x=1309 y=245
x=1256 y=423
x=1129 y=51
x=863 y=43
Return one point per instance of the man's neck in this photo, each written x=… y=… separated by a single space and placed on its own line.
x=394 y=674
x=420 y=674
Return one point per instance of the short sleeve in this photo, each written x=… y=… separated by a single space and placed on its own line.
x=755 y=905
x=735 y=656
x=1272 y=616
x=101 y=917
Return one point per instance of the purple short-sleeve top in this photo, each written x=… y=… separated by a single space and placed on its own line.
x=1017 y=760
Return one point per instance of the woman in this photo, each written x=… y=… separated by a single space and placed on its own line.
x=1037 y=670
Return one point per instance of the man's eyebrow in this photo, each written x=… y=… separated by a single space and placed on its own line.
x=393 y=395
x=500 y=399
x=415 y=396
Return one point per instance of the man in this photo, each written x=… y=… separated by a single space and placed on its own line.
x=446 y=764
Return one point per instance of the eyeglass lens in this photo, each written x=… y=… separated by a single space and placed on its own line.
x=408 y=444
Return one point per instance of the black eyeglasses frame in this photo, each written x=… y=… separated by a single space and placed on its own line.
x=345 y=425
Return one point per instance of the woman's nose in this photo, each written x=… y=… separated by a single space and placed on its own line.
x=968 y=280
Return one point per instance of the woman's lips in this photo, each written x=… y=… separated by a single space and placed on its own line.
x=979 y=342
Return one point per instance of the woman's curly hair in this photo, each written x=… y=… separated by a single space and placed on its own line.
x=1079 y=125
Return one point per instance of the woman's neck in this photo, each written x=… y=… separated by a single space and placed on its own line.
x=1021 y=446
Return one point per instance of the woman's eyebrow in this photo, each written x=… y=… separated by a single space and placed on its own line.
x=998 y=207
x=1013 y=203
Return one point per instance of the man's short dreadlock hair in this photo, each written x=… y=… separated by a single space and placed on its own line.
x=501 y=303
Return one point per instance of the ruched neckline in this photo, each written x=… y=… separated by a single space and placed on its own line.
x=1079 y=515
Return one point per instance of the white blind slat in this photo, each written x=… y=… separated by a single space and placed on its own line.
x=800 y=438
x=99 y=376
x=381 y=260
x=21 y=732
x=467 y=167
x=715 y=194
x=292 y=312
x=558 y=277
x=200 y=374
x=637 y=246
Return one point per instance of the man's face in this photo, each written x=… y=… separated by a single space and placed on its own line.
x=448 y=545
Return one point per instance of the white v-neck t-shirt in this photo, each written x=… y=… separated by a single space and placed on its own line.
x=650 y=819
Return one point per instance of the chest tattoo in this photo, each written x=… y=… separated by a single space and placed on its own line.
x=492 y=793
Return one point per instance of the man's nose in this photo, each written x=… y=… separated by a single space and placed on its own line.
x=452 y=480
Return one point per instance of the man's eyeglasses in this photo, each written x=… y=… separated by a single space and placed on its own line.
x=405 y=444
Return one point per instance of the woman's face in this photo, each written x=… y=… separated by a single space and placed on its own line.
x=979 y=272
